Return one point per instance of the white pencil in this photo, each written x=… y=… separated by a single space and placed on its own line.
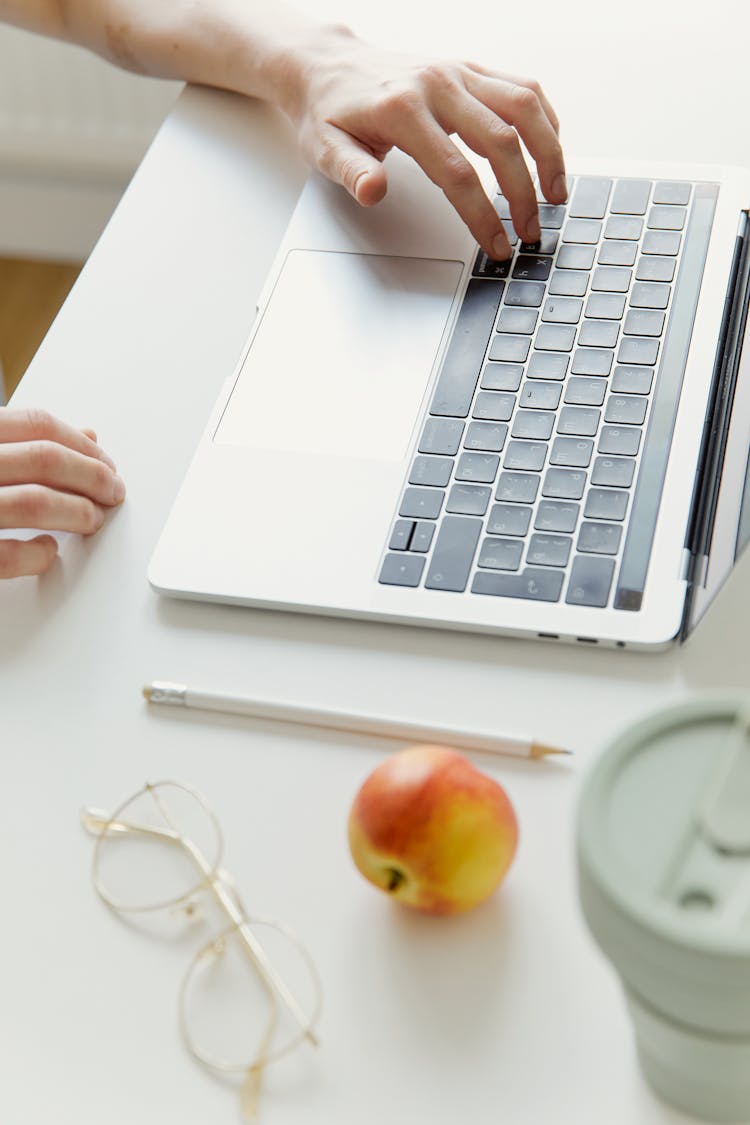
x=404 y=730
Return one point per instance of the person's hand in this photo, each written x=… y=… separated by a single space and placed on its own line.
x=351 y=103
x=52 y=478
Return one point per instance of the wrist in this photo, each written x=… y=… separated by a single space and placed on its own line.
x=301 y=61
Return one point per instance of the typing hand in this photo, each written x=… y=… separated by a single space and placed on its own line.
x=356 y=102
x=52 y=478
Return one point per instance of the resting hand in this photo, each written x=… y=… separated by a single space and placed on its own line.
x=352 y=103
x=52 y=478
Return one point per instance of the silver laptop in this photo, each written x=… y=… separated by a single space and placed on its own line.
x=552 y=447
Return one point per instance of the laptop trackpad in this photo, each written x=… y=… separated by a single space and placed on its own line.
x=342 y=355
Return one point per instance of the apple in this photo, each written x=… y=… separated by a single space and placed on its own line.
x=433 y=831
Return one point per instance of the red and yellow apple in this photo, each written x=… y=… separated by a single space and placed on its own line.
x=433 y=831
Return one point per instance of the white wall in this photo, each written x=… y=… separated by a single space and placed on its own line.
x=72 y=131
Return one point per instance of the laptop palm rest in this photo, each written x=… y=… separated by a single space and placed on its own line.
x=341 y=356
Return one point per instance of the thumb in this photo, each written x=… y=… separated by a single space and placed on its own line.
x=347 y=162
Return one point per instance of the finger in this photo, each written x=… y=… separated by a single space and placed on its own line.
x=490 y=136
x=519 y=81
x=89 y=433
x=345 y=161
x=421 y=137
x=24 y=557
x=521 y=107
x=57 y=466
x=33 y=424
x=34 y=505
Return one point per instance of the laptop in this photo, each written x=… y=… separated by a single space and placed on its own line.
x=551 y=447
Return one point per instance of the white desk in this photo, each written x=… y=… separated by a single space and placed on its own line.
x=507 y=1014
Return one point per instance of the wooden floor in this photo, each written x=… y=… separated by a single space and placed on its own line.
x=31 y=294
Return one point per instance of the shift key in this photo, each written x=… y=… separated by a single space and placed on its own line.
x=453 y=554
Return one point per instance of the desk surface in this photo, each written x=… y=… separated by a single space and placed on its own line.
x=508 y=1013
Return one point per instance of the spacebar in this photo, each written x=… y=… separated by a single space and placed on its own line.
x=463 y=360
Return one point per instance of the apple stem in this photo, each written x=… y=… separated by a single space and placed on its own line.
x=395 y=878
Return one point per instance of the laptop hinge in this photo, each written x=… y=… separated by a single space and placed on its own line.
x=716 y=427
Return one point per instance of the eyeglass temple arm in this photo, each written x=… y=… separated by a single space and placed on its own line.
x=98 y=823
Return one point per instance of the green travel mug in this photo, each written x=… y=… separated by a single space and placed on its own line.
x=663 y=854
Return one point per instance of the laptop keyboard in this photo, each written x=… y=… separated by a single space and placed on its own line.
x=523 y=480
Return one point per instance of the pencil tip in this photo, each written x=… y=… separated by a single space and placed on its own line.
x=541 y=750
x=146 y=689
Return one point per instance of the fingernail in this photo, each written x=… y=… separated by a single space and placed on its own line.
x=533 y=230
x=560 y=188
x=500 y=248
x=118 y=489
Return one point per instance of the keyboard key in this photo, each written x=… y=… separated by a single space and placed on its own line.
x=529 y=268
x=536 y=424
x=518 y=320
x=590 y=197
x=556 y=515
x=468 y=499
x=480 y=467
x=548 y=550
x=605 y=306
x=644 y=322
x=579 y=420
x=532 y=584
x=501 y=205
x=421 y=503
x=615 y=471
x=667 y=218
x=500 y=554
x=540 y=396
x=525 y=455
x=661 y=242
x=606 y=504
x=611 y=279
x=431 y=470
x=401 y=570
x=555 y=337
x=547 y=244
x=649 y=295
x=441 y=435
x=486 y=435
x=401 y=535
x=461 y=366
x=508 y=519
x=599 y=538
x=494 y=406
x=599 y=333
x=509 y=349
x=529 y=294
x=422 y=537
x=626 y=409
x=638 y=349
x=510 y=232
x=568 y=283
x=575 y=257
x=582 y=230
x=630 y=197
x=501 y=377
x=617 y=254
x=551 y=215
x=564 y=484
x=632 y=380
x=453 y=554
x=485 y=266
x=585 y=392
x=547 y=365
x=562 y=310
x=620 y=440
x=590 y=581
x=572 y=451
x=655 y=269
x=592 y=361
x=672 y=192
x=625 y=227
x=517 y=488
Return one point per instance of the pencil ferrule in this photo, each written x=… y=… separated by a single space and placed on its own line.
x=163 y=692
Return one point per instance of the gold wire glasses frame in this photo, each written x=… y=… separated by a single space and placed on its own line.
x=121 y=825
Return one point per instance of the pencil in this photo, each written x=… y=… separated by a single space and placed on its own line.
x=180 y=695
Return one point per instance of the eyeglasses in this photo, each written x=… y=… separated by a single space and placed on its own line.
x=161 y=850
